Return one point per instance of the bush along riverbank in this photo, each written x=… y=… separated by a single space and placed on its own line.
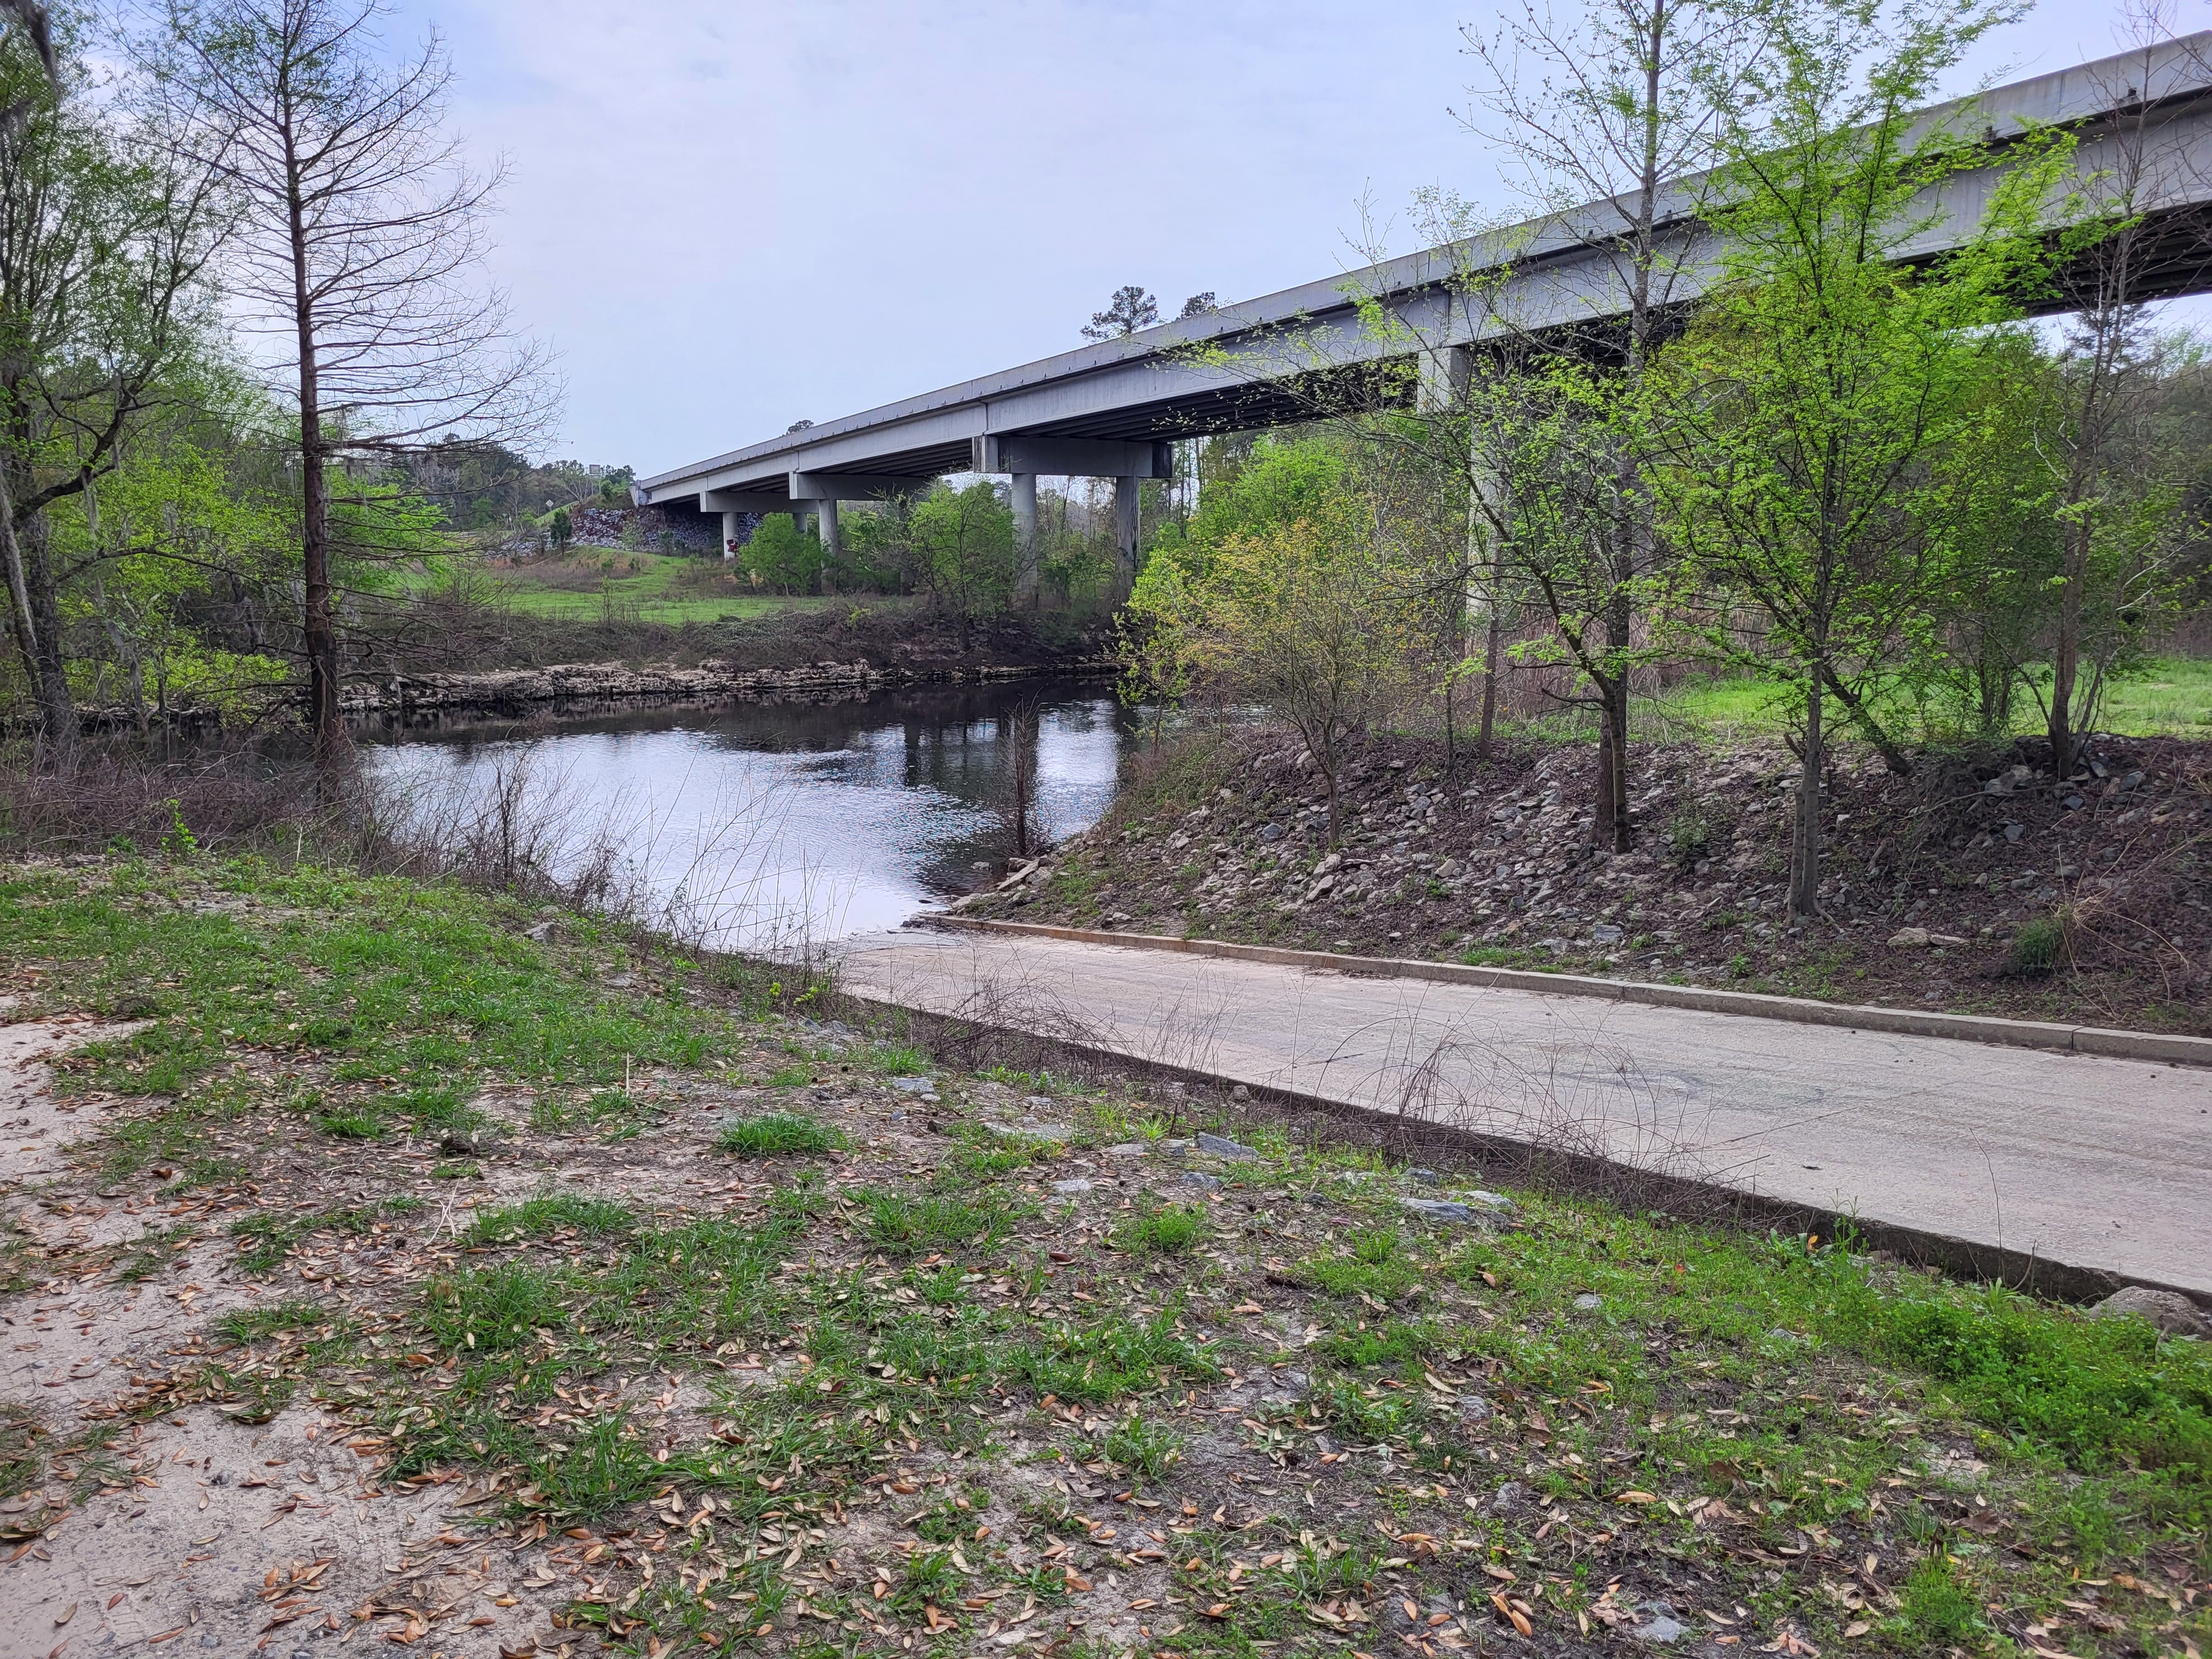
x=1983 y=884
x=383 y=1259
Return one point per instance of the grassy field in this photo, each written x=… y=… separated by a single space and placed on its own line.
x=723 y=1328
x=2171 y=697
x=592 y=583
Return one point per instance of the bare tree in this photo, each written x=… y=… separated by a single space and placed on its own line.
x=361 y=260
x=2111 y=366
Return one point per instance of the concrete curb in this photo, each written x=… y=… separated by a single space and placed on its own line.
x=1904 y=1022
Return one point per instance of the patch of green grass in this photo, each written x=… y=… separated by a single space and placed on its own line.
x=2097 y=1390
x=907 y=1225
x=779 y=1134
x=1142 y=1447
x=351 y=1126
x=791 y=1077
x=536 y=1217
x=1371 y=1265
x=22 y=1465
x=265 y=1241
x=1363 y=1410
x=2039 y=946
x=1399 y=1342
x=491 y=1309
x=1167 y=1231
x=603 y=1467
x=928 y=1580
x=1112 y=1358
x=1938 y=1611
x=244 y=1325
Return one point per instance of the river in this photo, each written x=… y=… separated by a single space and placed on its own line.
x=777 y=825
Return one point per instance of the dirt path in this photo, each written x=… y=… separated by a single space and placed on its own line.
x=2098 y=1163
x=196 y=1531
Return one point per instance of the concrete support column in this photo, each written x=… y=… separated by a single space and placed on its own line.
x=1026 y=541
x=825 y=513
x=730 y=535
x=1127 y=502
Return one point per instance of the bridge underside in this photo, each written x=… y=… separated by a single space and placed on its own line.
x=1308 y=352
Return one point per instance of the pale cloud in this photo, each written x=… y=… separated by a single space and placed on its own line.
x=727 y=216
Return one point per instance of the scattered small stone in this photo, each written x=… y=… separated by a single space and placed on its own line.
x=1271 y=832
x=2014 y=831
x=1450 y=1210
x=1589 y=1302
x=1071 y=1187
x=2171 y=1311
x=1204 y=1182
x=1909 y=938
x=1128 y=1149
x=1512 y=1498
x=1607 y=934
x=915 y=1086
x=619 y=981
x=1222 y=1146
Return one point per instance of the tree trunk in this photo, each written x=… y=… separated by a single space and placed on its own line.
x=1805 y=852
x=1491 y=646
x=318 y=630
x=2066 y=656
x=35 y=611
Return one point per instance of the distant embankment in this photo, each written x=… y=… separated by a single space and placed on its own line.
x=615 y=682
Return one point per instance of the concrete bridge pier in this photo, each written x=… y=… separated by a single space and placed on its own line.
x=1128 y=500
x=729 y=528
x=1026 y=541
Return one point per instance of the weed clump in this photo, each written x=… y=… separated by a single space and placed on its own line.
x=1169 y=1232
x=779 y=1134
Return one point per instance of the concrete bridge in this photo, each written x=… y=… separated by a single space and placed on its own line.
x=1112 y=409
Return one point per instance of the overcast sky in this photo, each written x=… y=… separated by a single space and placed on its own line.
x=727 y=215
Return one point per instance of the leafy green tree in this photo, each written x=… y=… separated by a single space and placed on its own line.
x=964 y=541
x=560 y=528
x=104 y=235
x=1815 y=398
x=783 y=556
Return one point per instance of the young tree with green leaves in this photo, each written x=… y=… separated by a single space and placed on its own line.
x=106 y=233
x=1610 y=126
x=783 y=556
x=964 y=541
x=1815 y=400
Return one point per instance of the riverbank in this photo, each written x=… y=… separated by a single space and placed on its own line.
x=615 y=682
x=1982 y=885
x=509 y=1281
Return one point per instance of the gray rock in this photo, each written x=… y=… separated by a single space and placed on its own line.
x=915 y=1086
x=1222 y=1146
x=2014 y=831
x=1658 y=1624
x=1271 y=832
x=1425 y=1177
x=1073 y=1185
x=1205 y=1184
x=1031 y=1129
x=2171 y=1311
x=1128 y=1149
x=1607 y=934
x=1445 y=1210
x=473 y=1140
x=2133 y=780
x=619 y=982
x=1909 y=938
x=1512 y=1498
x=1589 y=1302
x=1033 y=1102
x=1474 y=1408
